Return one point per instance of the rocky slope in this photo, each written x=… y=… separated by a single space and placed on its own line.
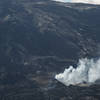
x=38 y=38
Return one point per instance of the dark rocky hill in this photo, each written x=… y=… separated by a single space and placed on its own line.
x=38 y=38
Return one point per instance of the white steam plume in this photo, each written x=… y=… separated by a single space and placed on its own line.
x=87 y=71
x=81 y=1
x=87 y=1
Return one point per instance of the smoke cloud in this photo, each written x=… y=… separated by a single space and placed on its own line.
x=88 y=70
x=81 y=1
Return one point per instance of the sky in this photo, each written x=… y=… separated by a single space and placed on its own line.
x=82 y=1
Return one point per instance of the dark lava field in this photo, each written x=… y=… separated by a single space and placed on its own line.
x=40 y=38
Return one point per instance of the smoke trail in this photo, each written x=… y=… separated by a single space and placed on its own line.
x=87 y=71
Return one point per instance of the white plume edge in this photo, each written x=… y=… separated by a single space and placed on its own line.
x=80 y=1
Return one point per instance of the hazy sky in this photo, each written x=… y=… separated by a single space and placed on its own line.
x=82 y=1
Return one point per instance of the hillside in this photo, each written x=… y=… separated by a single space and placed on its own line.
x=39 y=38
